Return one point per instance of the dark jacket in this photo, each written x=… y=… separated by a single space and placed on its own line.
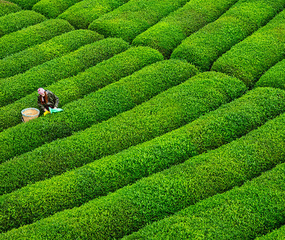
x=49 y=100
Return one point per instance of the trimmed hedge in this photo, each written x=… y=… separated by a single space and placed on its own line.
x=100 y=177
x=134 y=17
x=39 y=54
x=81 y=14
x=8 y=7
x=162 y=194
x=25 y=4
x=59 y=68
x=33 y=35
x=132 y=90
x=250 y=58
x=242 y=213
x=171 y=30
x=92 y=79
x=16 y=21
x=52 y=8
x=53 y=71
x=245 y=17
x=278 y=234
x=163 y=113
x=274 y=77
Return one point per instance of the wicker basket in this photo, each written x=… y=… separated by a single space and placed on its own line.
x=29 y=114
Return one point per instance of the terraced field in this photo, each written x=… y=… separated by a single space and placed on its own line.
x=173 y=122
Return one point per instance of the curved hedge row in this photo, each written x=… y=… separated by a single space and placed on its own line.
x=81 y=14
x=16 y=21
x=274 y=77
x=33 y=35
x=7 y=7
x=250 y=58
x=46 y=51
x=242 y=213
x=100 y=177
x=278 y=234
x=59 y=68
x=164 y=193
x=139 y=87
x=53 y=71
x=97 y=77
x=25 y=4
x=245 y=17
x=163 y=113
x=134 y=17
x=52 y=8
x=171 y=30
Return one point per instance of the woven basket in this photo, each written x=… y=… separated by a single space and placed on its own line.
x=29 y=114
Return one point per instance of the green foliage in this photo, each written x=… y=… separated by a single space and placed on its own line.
x=16 y=21
x=41 y=53
x=59 y=68
x=134 y=17
x=163 y=113
x=250 y=58
x=52 y=71
x=171 y=30
x=33 y=35
x=274 y=77
x=25 y=4
x=242 y=213
x=206 y=45
x=278 y=234
x=108 y=102
x=245 y=211
x=7 y=7
x=52 y=8
x=100 y=177
x=81 y=14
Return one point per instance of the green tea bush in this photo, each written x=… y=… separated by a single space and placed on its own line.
x=250 y=58
x=59 y=68
x=274 y=77
x=8 y=7
x=52 y=8
x=46 y=51
x=242 y=19
x=240 y=212
x=92 y=79
x=278 y=234
x=16 y=21
x=25 y=4
x=134 y=17
x=133 y=90
x=163 y=113
x=171 y=30
x=33 y=35
x=100 y=177
x=81 y=14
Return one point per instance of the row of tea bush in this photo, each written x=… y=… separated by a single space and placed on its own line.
x=246 y=210
x=32 y=35
x=163 y=113
x=108 y=174
x=47 y=74
x=206 y=45
x=97 y=106
x=41 y=53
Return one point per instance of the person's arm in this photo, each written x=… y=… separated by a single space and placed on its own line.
x=41 y=105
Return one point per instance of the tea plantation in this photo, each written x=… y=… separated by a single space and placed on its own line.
x=173 y=121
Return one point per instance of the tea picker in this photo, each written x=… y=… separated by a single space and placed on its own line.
x=47 y=102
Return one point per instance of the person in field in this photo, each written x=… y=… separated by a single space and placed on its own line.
x=46 y=100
